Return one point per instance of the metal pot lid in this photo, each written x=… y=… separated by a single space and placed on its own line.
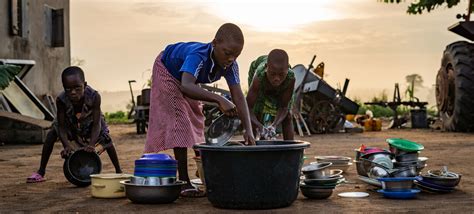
x=221 y=130
x=405 y=145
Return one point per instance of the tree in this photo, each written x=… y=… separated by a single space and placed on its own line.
x=418 y=6
x=414 y=81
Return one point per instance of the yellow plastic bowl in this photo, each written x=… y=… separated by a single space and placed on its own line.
x=108 y=185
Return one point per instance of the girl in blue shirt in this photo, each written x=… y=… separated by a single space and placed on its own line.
x=176 y=119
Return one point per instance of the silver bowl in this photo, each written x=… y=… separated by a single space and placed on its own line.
x=397 y=185
x=378 y=172
x=342 y=167
x=137 y=180
x=366 y=165
x=332 y=181
x=420 y=163
x=315 y=193
x=335 y=160
x=406 y=171
x=145 y=194
x=316 y=170
x=152 y=181
x=407 y=157
x=167 y=180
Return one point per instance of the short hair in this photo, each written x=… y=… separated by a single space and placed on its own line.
x=278 y=57
x=229 y=31
x=73 y=70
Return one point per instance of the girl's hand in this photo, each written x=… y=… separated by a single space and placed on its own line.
x=249 y=139
x=227 y=107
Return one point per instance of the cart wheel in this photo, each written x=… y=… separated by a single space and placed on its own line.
x=324 y=117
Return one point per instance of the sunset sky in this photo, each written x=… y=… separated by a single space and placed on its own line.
x=371 y=43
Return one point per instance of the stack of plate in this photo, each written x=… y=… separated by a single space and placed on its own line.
x=156 y=165
x=338 y=162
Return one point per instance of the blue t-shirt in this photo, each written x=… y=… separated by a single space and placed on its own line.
x=196 y=58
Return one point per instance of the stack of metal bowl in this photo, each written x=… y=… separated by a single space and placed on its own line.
x=338 y=162
x=439 y=181
x=154 y=180
x=407 y=160
x=319 y=180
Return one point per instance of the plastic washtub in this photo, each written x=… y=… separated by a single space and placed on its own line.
x=264 y=176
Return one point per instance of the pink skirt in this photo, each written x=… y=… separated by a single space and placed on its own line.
x=174 y=120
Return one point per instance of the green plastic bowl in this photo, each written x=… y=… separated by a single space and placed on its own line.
x=405 y=145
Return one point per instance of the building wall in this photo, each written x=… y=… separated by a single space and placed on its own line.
x=34 y=44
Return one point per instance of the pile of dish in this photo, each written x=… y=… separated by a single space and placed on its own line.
x=401 y=161
x=338 y=162
x=154 y=180
x=398 y=188
x=319 y=180
x=438 y=181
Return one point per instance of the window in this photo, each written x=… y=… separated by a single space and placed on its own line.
x=18 y=18
x=54 y=26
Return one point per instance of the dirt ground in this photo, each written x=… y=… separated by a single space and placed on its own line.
x=456 y=150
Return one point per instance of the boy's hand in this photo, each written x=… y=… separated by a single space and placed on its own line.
x=89 y=148
x=227 y=107
x=66 y=151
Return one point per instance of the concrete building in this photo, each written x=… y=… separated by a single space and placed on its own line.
x=37 y=30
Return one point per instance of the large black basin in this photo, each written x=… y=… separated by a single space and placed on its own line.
x=253 y=177
x=80 y=165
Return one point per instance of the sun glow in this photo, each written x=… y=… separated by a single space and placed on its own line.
x=273 y=16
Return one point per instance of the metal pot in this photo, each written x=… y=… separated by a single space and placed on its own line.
x=144 y=194
x=407 y=157
x=420 y=163
x=397 y=184
x=407 y=171
x=108 y=185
